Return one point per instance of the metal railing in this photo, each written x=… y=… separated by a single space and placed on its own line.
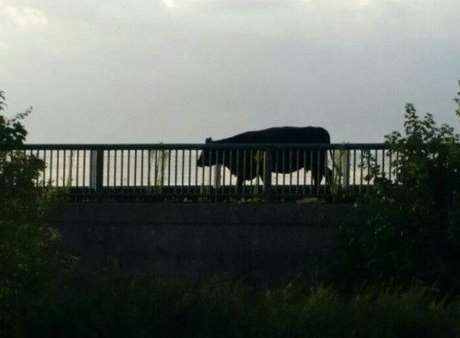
x=210 y=171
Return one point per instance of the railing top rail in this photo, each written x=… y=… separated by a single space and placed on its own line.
x=200 y=146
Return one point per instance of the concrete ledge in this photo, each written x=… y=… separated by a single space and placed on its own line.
x=265 y=241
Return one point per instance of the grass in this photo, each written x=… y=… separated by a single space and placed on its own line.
x=148 y=307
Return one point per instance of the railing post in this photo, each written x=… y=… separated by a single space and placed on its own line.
x=96 y=169
x=267 y=170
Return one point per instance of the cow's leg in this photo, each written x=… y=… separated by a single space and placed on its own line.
x=328 y=176
x=329 y=179
x=239 y=182
x=317 y=175
x=316 y=179
x=320 y=170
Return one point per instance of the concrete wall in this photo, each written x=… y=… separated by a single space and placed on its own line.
x=264 y=241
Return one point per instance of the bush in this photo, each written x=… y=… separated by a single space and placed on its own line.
x=29 y=253
x=150 y=307
x=412 y=232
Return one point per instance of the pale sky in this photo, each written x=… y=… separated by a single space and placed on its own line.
x=182 y=70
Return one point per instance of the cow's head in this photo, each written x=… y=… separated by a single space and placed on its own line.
x=206 y=155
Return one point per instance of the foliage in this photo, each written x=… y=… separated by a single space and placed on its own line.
x=411 y=231
x=145 y=307
x=29 y=257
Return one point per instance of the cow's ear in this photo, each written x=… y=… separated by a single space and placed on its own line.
x=208 y=140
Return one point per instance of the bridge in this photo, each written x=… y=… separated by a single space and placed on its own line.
x=265 y=241
x=165 y=171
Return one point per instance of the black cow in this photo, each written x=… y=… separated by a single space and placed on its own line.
x=248 y=164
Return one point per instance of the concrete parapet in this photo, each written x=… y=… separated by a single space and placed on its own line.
x=267 y=241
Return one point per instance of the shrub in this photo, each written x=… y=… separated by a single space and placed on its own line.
x=150 y=307
x=29 y=254
x=411 y=233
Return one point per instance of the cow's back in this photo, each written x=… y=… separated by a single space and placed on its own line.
x=282 y=135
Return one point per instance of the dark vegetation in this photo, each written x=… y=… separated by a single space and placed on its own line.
x=395 y=276
x=413 y=229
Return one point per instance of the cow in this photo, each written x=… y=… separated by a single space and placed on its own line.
x=247 y=164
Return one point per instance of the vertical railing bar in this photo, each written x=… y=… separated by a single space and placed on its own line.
x=182 y=171
x=128 y=167
x=71 y=167
x=41 y=171
x=40 y=174
x=163 y=162
x=215 y=182
x=84 y=167
x=290 y=170
x=318 y=173
x=283 y=165
x=304 y=153
x=57 y=167
x=100 y=169
x=223 y=173
x=64 y=169
x=258 y=157
x=237 y=171
x=383 y=163
x=277 y=167
x=311 y=171
x=251 y=162
x=175 y=170
x=107 y=179
x=244 y=172
x=208 y=187
x=71 y=163
x=169 y=169
x=390 y=164
x=149 y=168
x=267 y=169
x=298 y=171
x=114 y=169
x=46 y=167
x=195 y=171
x=354 y=169
x=43 y=176
x=368 y=169
x=361 y=171
x=201 y=189
x=155 y=175
x=142 y=169
x=122 y=169
x=262 y=153
x=376 y=161
x=77 y=178
x=51 y=167
x=339 y=177
x=63 y=165
x=34 y=154
x=230 y=159
x=189 y=171
x=334 y=172
x=135 y=168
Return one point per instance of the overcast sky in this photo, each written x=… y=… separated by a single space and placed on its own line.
x=181 y=70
